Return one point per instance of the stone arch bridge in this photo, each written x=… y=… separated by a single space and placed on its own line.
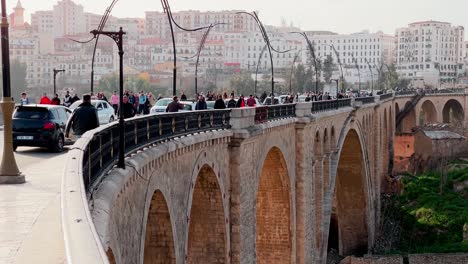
x=279 y=184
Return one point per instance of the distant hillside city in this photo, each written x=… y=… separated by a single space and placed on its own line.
x=428 y=54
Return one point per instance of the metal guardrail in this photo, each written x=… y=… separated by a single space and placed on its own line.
x=266 y=113
x=386 y=96
x=365 y=100
x=322 y=106
x=403 y=93
x=446 y=91
x=102 y=151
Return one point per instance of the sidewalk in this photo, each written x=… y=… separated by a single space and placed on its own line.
x=30 y=224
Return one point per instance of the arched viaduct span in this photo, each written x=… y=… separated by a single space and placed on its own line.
x=275 y=184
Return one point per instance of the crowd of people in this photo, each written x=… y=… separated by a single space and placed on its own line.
x=140 y=103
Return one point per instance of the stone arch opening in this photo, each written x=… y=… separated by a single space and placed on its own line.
x=273 y=211
x=428 y=113
x=159 y=241
x=207 y=231
x=332 y=138
x=348 y=225
x=409 y=121
x=453 y=113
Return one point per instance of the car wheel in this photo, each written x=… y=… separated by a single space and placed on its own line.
x=58 y=145
x=111 y=119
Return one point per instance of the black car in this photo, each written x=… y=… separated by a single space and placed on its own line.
x=40 y=126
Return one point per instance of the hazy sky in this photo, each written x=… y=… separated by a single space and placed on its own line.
x=341 y=16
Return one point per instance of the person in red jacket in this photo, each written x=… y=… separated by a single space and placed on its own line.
x=45 y=100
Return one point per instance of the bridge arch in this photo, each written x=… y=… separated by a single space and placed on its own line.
x=159 y=240
x=428 y=113
x=273 y=211
x=453 y=113
x=207 y=217
x=349 y=229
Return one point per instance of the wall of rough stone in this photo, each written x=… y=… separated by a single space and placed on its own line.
x=294 y=190
x=438 y=258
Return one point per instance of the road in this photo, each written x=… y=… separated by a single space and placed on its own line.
x=30 y=230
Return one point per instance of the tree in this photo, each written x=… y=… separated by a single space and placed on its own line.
x=109 y=83
x=328 y=68
x=242 y=83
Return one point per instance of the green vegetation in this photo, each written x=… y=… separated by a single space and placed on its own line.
x=429 y=219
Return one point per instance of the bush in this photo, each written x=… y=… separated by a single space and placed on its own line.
x=431 y=221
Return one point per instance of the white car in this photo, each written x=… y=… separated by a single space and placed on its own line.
x=105 y=110
x=160 y=106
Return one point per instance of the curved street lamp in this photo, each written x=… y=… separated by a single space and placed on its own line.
x=200 y=48
x=357 y=67
x=372 y=76
x=292 y=69
x=170 y=18
x=338 y=60
x=314 y=58
x=268 y=44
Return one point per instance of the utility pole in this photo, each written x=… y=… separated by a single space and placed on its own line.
x=9 y=172
x=55 y=78
x=118 y=38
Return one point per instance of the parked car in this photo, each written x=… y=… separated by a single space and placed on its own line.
x=268 y=101
x=40 y=126
x=105 y=110
x=160 y=106
x=210 y=104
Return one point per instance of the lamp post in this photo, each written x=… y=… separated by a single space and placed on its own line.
x=200 y=48
x=338 y=60
x=372 y=77
x=292 y=69
x=118 y=38
x=268 y=44
x=312 y=53
x=358 y=70
x=9 y=172
x=55 y=79
x=337 y=85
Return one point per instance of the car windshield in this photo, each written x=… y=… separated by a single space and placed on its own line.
x=36 y=113
x=163 y=102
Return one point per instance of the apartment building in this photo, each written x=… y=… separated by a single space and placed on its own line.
x=362 y=55
x=431 y=52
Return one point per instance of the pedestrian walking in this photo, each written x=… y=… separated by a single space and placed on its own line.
x=201 y=104
x=115 y=102
x=83 y=119
x=128 y=108
x=174 y=106
x=219 y=104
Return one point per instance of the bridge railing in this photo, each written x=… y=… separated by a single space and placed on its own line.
x=386 y=96
x=322 y=106
x=405 y=93
x=445 y=91
x=271 y=112
x=102 y=151
x=365 y=100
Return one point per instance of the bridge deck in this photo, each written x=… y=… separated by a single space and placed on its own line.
x=30 y=213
